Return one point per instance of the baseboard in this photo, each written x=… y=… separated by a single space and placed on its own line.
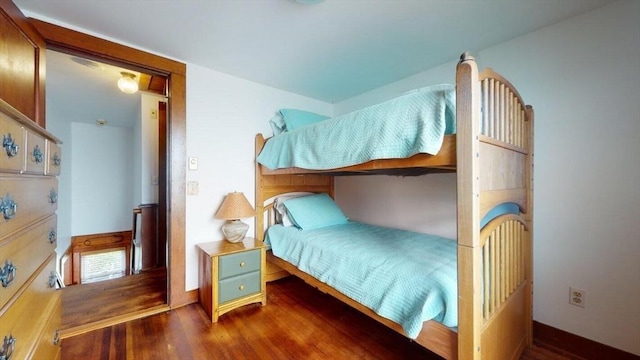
x=186 y=298
x=559 y=340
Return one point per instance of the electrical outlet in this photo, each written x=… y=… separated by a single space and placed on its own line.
x=193 y=188
x=577 y=297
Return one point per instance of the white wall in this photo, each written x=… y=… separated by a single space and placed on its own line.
x=148 y=150
x=583 y=78
x=101 y=180
x=224 y=113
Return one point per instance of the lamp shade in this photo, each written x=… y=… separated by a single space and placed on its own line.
x=235 y=206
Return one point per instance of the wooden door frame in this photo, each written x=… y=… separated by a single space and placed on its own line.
x=74 y=42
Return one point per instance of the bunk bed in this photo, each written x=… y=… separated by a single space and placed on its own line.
x=491 y=153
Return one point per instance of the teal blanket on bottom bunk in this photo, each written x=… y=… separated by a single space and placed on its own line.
x=403 y=276
x=413 y=123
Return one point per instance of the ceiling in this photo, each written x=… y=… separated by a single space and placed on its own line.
x=86 y=91
x=330 y=51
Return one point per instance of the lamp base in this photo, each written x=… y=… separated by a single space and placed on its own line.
x=234 y=230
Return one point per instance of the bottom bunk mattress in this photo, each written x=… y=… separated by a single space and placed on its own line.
x=406 y=277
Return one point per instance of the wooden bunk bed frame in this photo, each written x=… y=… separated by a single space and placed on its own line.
x=492 y=156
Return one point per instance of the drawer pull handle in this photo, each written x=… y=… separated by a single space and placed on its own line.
x=242 y=264
x=241 y=287
x=7 y=274
x=53 y=278
x=38 y=156
x=56 y=337
x=9 y=144
x=8 y=207
x=53 y=196
x=52 y=236
x=8 y=346
x=56 y=159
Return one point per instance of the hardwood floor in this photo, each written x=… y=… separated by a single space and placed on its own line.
x=84 y=306
x=298 y=323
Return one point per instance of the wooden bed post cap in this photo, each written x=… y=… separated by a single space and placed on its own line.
x=466 y=56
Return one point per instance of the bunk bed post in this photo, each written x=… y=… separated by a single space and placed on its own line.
x=528 y=218
x=469 y=250
x=259 y=198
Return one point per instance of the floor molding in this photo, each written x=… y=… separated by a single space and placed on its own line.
x=67 y=333
x=559 y=340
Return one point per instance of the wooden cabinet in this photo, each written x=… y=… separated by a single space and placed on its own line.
x=30 y=305
x=23 y=64
x=231 y=275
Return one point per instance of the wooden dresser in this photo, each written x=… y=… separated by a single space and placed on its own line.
x=30 y=305
x=30 y=159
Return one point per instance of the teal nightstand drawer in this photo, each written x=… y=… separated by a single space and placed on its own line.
x=239 y=286
x=240 y=263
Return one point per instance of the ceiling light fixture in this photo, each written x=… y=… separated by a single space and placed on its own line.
x=127 y=83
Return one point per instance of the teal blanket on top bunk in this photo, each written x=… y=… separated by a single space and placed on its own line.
x=413 y=123
x=403 y=276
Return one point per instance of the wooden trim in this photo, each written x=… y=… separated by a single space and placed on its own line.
x=98 y=242
x=113 y=321
x=70 y=41
x=570 y=344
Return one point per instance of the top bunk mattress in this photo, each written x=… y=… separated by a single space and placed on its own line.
x=413 y=123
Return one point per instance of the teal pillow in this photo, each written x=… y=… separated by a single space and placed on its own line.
x=295 y=119
x=277 y=125
x=314 y=212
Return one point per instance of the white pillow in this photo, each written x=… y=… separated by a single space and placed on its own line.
x=281 y=212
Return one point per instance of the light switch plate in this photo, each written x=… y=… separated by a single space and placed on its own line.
x=193 y=163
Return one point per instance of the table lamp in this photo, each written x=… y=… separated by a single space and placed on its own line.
x=235 y=207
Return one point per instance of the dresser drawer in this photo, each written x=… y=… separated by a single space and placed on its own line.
x=21 y=255
x=239 y=263
x=54 y=159
x=13 y=136
x=35 y=154
x=26 y=199
x=48 y=346
x=239 y=286
x=25 y=320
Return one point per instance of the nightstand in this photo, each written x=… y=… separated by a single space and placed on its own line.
x=231 y=275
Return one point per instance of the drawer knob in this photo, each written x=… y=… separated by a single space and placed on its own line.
x=10 y=145
x=241 y=287
x=52 y=236
x=38 y=156
x=242 y=264
x=8 y=207
x=56 y=159
x=8 y=345
x=53 y=196
x=53 y=278
x=56 y=337
x=7 y=273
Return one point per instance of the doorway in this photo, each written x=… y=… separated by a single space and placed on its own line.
x=113 y=142
x=72 y=42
